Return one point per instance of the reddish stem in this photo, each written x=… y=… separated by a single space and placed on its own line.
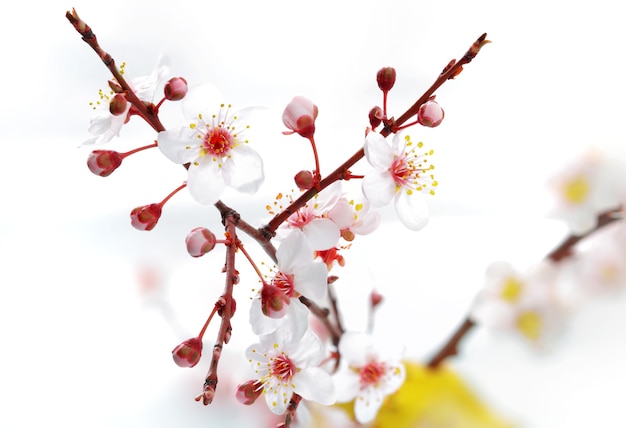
x=138 y=149
x=342 y=171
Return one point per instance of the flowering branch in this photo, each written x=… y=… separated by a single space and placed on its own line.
x=564 y=250
x=226 y=311
x=343 y=171
x=148 y=112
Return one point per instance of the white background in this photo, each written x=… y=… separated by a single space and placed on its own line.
x=82 y=346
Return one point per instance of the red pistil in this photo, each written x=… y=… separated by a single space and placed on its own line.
x=218 y=141
x=283 y=368
x=371 y=373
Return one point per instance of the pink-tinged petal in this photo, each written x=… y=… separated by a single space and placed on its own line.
x=205 y=181
x=342 y=214
x=378 y=151
x=310 y=280
x=243 y=169
x=294 y=251
x=412 y=210
x=322 y=233
x=379 y=188
x=367 y=224
x=179 y=145
x=367 y=404
x=204 y=99
x=315 y=384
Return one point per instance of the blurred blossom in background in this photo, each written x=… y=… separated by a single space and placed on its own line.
x=90 y=308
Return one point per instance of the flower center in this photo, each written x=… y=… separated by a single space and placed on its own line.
x=371 y=373
x=529 y=324
x=284 y=283
x=217 y=142
x=282 y=368
x=301 y=218
x=409 y=170
x=511 y=290
x=576 y=190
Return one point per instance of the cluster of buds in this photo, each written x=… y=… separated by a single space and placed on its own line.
x=430 y=113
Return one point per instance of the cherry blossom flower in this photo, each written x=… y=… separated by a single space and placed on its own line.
x=105 y=125
x=528 y=304
x=298 y=274
x=585 y=188
x=369 y=374
x=401 y=174
x=285 y=365
x=353 y=218
x=312 y=219
x=215 y=147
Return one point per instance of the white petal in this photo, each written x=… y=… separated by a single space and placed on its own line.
x=306 y=351
x=322 y=233
x=311 y=279
x=179 y=145
x=294 y=251
x=367 y=224
x=342 y=214
x=260 y=323
x=205 y=181
x=347 y=383
x=315 y=384
x=367 y=404
x=243 y=170
x=379 y=188
x=278 y=397
x=394 y=378
x=412 y=210
x=378 y=152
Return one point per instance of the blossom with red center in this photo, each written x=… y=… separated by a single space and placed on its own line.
x=353 y=218
x=298 y=274
x=286 y=364
x=402 y=173
x=368 y=374
x=312 y=219
x=215 y=147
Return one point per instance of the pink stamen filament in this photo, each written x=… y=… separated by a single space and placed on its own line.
x=283 y=368
x=371 y=373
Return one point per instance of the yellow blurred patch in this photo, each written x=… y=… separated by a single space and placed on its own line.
x=433 y=399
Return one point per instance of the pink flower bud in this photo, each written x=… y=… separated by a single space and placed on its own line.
x=304 y=180
x=430 y=114
x=118 y=105
x=200 y=241
x=188 y=353
x=376 y=116
x=299 y=116
x=375 y=298
x=248 y=392
x=386 y=78
x=103 y=162
x=274 y=302
x=175 y=89
x=146 y=217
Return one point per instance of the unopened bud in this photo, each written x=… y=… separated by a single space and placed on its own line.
x=175 y=89
x=103 y=162
x=118 y=105
x=200 y=241
x=386 y=78
x=430 y=114
x=299 y=116
x=376 y=116
x=375 y=298
x=188 y=353
x=248 y=392
x=146 y=217
x=304 y=180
